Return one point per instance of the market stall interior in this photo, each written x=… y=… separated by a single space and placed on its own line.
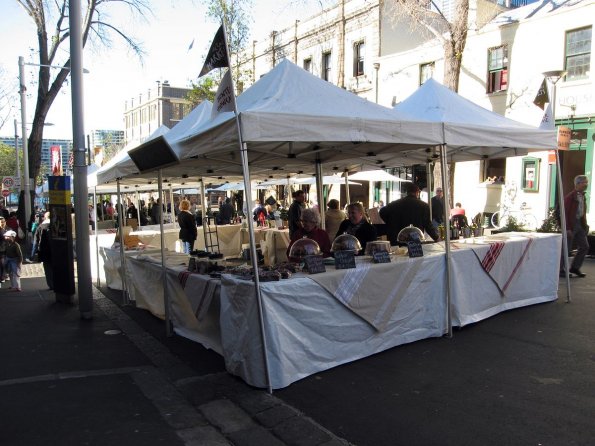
x=294 y=123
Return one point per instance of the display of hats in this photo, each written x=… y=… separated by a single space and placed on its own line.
x=302 y=248
x=409 y=234
x=346 y=242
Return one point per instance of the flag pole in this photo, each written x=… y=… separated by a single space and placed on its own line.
x=253 y=254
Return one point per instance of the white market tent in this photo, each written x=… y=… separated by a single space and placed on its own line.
x=472 y=132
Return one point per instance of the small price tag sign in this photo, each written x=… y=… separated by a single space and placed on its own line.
x=381 y=257
x=415 y=249
x=314 y=264
x=344 y=260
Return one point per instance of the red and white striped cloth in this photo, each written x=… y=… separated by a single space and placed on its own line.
x=503 y=260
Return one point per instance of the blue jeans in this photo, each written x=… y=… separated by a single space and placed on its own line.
x=187 y=246
x=14 y=271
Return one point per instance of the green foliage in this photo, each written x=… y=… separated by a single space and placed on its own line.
x=8 y=161
x=203 y=90
x=551 y=223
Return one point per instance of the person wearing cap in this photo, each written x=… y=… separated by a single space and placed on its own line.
x=438 y=207
x=3 y=270
x=14 y=260
x=409 y=210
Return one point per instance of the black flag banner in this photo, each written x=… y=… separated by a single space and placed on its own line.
x=217 y=57
x=542 y=97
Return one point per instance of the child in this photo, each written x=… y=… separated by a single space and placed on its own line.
x=14 y=260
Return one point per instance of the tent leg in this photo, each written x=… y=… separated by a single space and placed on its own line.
x=445 y=183
x=166 y=301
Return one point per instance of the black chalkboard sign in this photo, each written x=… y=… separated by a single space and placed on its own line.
x=344 y=259
x=415 y=249
x=381 y=257
x=314 y=264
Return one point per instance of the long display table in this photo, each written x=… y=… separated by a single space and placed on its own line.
x=316 y=322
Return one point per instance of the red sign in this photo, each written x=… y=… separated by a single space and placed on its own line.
x=5 y=193
x=56 y=159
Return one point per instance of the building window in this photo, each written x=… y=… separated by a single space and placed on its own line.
x=326 y=66
x=578 y=53
x=308 y=65
x=426 y=71
x=359 y=50
x=497 y=69
x=530 y=174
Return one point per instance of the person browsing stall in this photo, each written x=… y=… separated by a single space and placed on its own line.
x=14 y=260
x=409 y=210
x=188 y=231
x=333 y=218
x=438 y=207
x=357 y=225
x=310 y=221
x=295 y=211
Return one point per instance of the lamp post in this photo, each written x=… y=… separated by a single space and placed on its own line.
x=27 y=188
x=553 y=77
x=376 y=67
x=16 y=149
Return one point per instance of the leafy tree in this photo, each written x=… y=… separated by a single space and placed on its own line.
x=8 y=161
x=203 y=90
x=51 y=22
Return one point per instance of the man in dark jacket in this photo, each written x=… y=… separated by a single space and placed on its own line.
x=294 y=214
x=225 y=212
x=409 y=210
x=438 y=207
x=575 y=207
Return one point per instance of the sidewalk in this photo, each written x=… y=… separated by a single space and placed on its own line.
x=106 y=381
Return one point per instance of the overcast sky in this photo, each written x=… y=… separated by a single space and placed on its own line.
x=116 y=75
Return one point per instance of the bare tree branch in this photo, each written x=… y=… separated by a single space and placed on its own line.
x=43 y=13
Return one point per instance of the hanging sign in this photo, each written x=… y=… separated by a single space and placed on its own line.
x=564 y=134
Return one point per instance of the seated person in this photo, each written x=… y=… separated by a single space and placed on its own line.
x=357 y=225
x=310 y=220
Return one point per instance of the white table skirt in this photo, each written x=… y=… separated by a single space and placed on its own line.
x=308 y=330
x=476 y=297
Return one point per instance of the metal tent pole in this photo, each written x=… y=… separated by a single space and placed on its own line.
x=122 y=254
x=444 y=168
x=166 y=301
x=320 y=193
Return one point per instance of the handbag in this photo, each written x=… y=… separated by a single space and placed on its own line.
x=20 y=233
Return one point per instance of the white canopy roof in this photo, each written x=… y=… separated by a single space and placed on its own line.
x=471 y=131
x=290 y=119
